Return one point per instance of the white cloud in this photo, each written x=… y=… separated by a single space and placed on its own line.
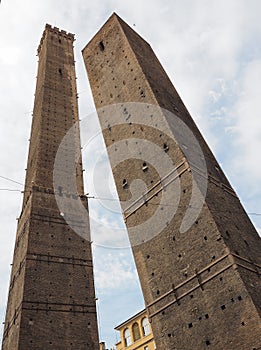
x=248 y=122
x=114 y=270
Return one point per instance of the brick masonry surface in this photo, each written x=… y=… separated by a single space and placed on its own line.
x=201 y=285
x=51 y=302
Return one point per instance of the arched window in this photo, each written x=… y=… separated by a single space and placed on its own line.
x=145 y=326
x=127 y=337
x=136 y=331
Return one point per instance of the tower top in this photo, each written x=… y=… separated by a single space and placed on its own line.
x=54 y=31
x=104 y=31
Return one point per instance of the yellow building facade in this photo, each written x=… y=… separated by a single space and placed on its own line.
x=136 y=333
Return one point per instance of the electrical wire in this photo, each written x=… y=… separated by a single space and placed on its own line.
x=98 y=198
x=8 y=179
x=9 y=190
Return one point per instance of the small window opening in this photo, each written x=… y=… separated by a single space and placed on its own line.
x=165 y=147
x=145 y=326
x=144 y=166
x=101 y=46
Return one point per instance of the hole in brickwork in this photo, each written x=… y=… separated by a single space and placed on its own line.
x=165 y=147
x=243 y=323
x=144 y=167
x=239 y=298
x=124 y=183
x=227 y=233
x=221 y=279
x=246 y=243
x=223 y=307
x=152 y=274
x=148 y=256
x=190 y=325
x=158 y=292
x=205 y=238
x=142 y=94
x=101 y=46
x=191 y=296
x=232 y=300
x=207 y=342
x=196 y=222
x=206 y=316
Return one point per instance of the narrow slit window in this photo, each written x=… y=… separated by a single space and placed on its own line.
x=101 y=46
x=124 y=183
x=165 y=147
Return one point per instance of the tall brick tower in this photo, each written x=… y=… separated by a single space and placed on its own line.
x=200 y=274
x=51 y=302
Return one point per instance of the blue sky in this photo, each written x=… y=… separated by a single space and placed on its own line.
x=212 y=53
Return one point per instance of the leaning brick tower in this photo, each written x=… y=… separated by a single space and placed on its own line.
x=51 y=302
x=200 y=274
